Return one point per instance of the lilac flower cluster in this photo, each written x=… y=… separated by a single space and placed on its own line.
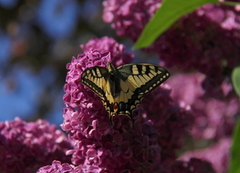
x=214 y=106
x=24 y=147
x=128 y=17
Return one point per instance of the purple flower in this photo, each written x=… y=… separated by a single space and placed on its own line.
x=117 y=50
x=24 y=147
x=129 y=17
x=57 y=166
x=158 y=130
x=186 y=88
x=213 y=103
x=218 y=155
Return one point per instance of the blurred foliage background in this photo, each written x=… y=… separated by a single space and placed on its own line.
x=37 y=39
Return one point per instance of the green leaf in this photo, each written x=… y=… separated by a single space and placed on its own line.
x=165 y=16
x=236 y=79
x=235 y=150
x=230 y=3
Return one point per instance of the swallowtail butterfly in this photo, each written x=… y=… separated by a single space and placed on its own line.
x=122 y=88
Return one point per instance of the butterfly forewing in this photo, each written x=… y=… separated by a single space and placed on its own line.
x=96 y=78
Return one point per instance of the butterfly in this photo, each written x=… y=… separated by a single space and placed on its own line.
x=122 y=88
